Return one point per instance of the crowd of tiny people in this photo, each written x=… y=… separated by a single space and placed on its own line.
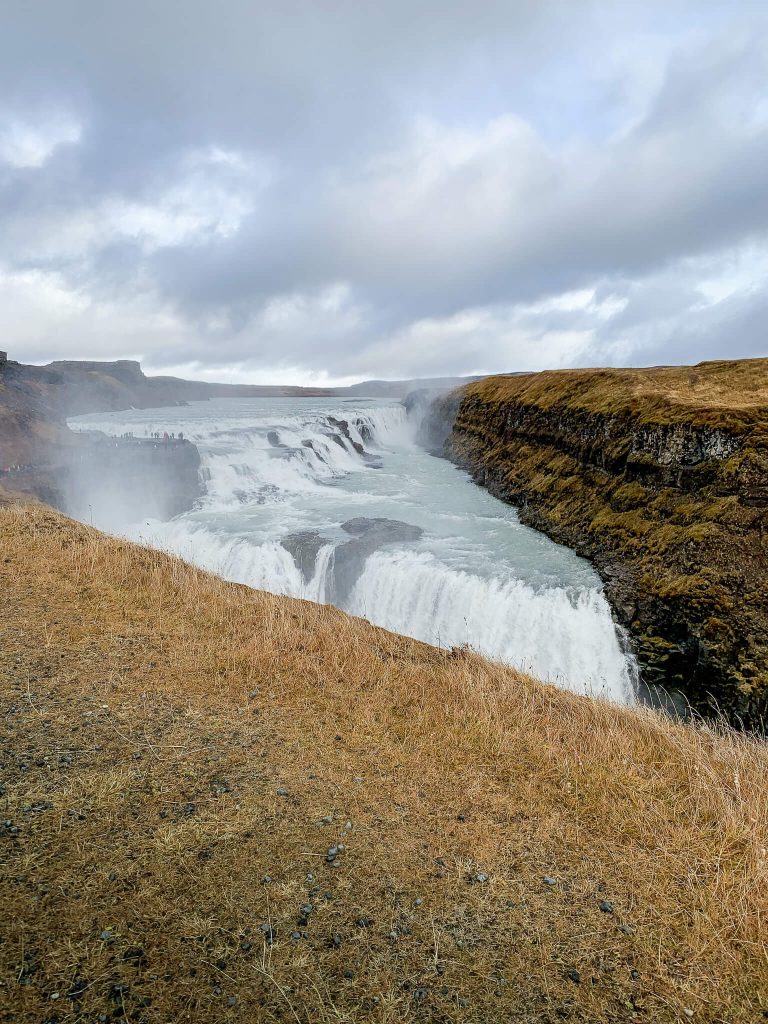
x=156 y=435
x=20 y=467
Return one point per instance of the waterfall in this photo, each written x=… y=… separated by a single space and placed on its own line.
x=335 y=502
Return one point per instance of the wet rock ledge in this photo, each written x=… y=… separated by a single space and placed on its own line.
x=660 y=478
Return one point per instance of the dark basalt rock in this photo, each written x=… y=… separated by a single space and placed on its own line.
x=365 y=433
x=303 y=547
x=274 y=439
x=368 y=535
x=313 y=448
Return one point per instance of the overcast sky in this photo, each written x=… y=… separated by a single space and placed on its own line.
x=306 y=191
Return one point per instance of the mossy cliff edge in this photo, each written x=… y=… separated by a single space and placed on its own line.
x=660 y=477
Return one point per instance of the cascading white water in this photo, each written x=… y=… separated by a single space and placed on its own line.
x=558 y=635
x=334 y=502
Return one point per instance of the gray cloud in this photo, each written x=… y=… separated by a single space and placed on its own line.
x=381 y=190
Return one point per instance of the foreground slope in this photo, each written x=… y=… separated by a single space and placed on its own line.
x=179 y=754
x=660 y=476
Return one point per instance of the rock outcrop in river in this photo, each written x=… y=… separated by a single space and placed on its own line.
x=660 y=477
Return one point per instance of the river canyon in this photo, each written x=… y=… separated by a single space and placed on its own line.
x=334 y=501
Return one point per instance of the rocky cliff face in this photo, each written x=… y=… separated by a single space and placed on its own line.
x=89 y=476
x=660 y=477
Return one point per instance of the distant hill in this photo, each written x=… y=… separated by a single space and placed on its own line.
x=35 y=401
x=92 y=386
x=401 y=388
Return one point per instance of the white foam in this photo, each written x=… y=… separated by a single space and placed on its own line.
x=568 y=638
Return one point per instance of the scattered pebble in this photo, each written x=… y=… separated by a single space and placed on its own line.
x=282 y=791
x=606 y=906
x=479 y=879
x=348 y=826
x=332 y=854
x=688 y=1011
x=232 y=1001
x=80 y=986
x=549 y=880
x=327 y=820
x=573 y=975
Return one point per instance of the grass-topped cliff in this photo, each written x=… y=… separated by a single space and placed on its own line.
x=660 y=476
x=220 y=805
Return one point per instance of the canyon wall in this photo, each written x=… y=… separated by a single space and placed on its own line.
x=660 y=478
x=87 y=474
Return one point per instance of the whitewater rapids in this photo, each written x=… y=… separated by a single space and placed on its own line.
x=334 y=502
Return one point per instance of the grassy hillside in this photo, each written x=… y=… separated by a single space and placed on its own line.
x=721 y=392
x=180 y=755
x=661 y=477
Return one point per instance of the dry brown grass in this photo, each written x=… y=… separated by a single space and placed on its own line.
x=675 y=393
x=153 y=711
